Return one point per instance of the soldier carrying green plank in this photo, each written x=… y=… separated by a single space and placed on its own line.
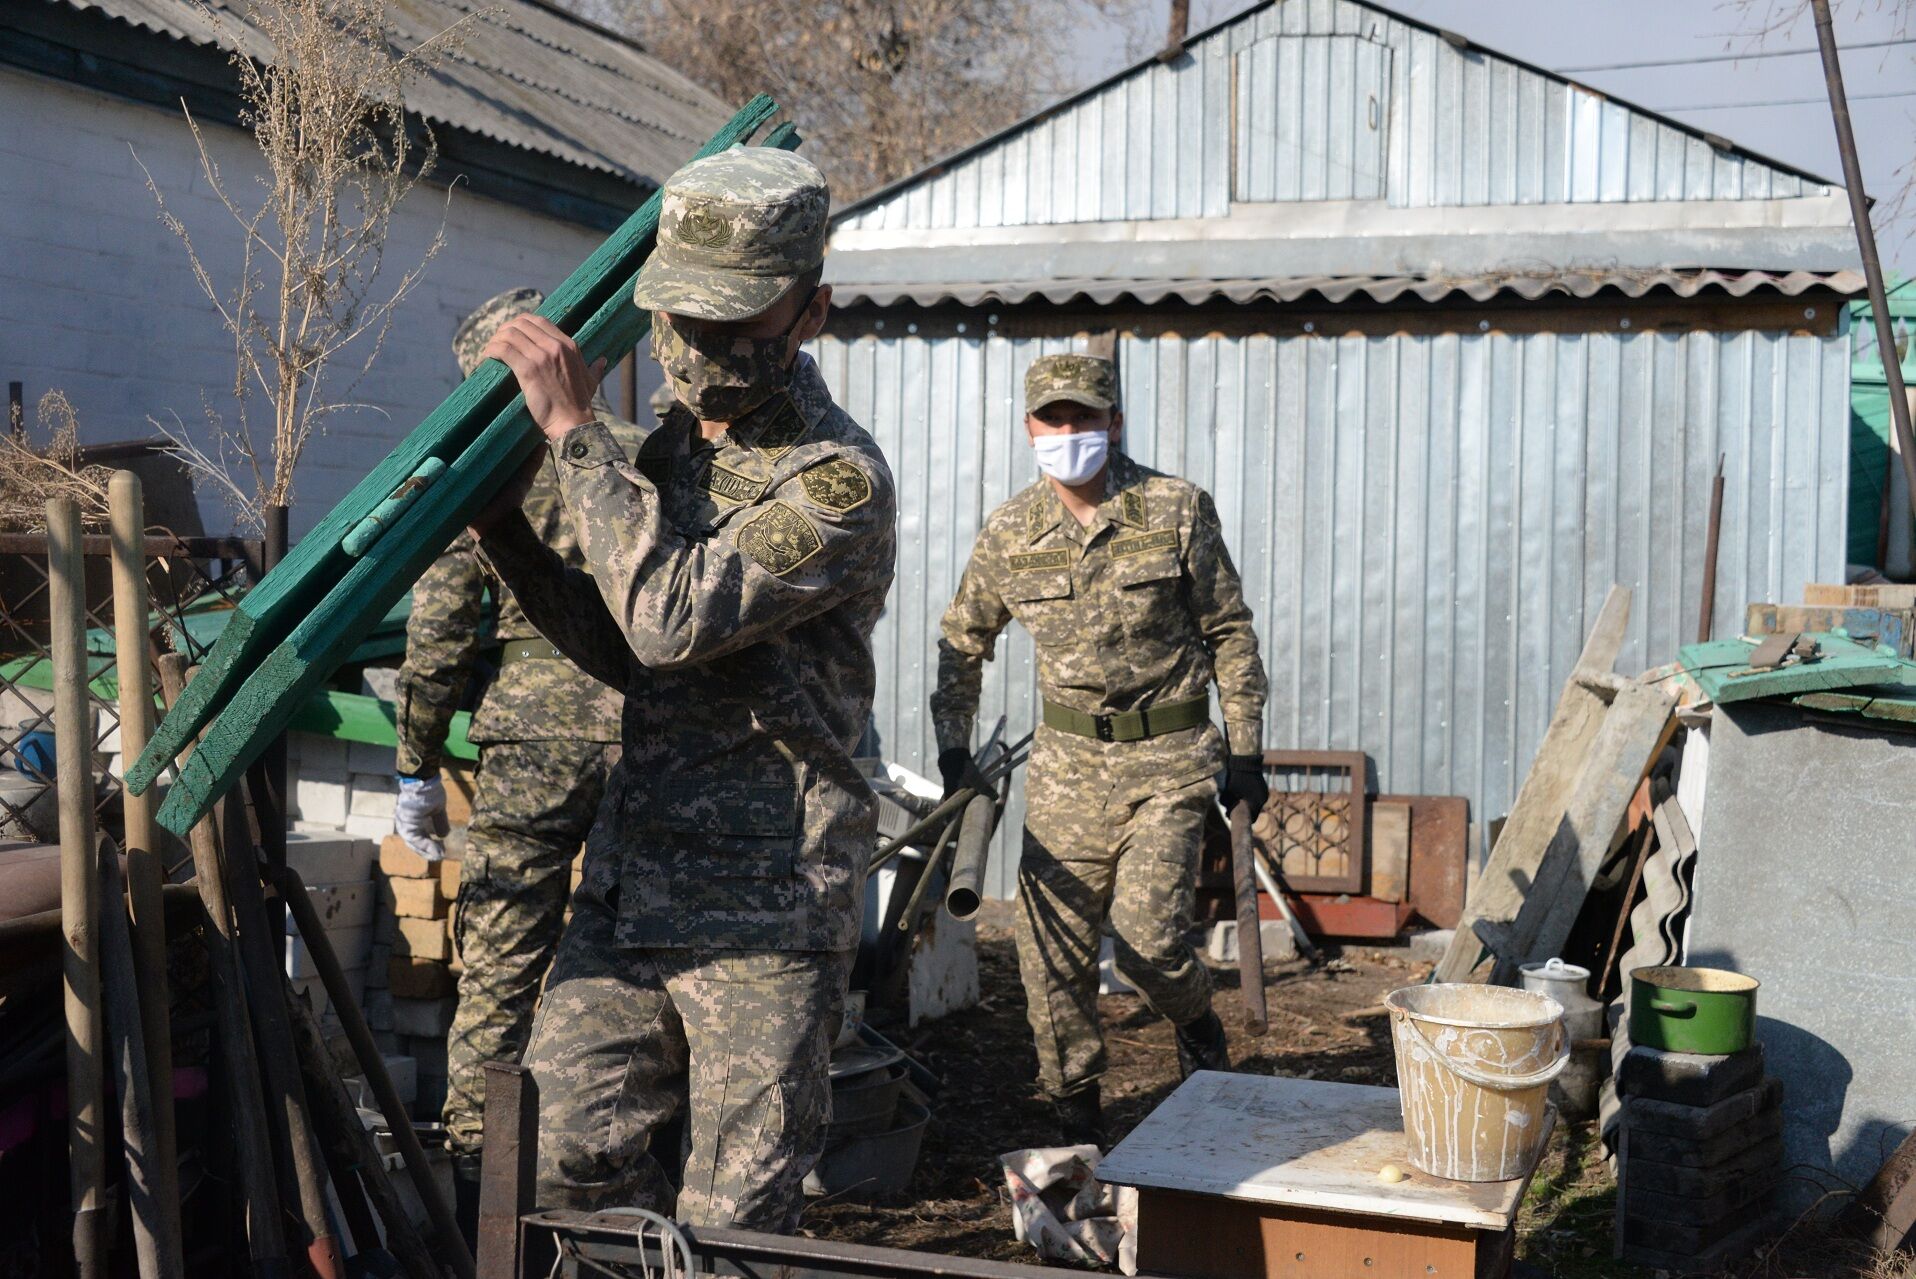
x=548 y=736
x=735 y=566
x=1121 y=575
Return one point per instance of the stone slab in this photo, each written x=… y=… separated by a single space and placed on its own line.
x=422 y=939
x=1804 y=882
x=1689 y=1079
x=418 y=899
x=397 y=859
x=1735 y=1198
x=1699 y=1123
x=1692 y=1247
x=1675 y=1179
x=328 y=857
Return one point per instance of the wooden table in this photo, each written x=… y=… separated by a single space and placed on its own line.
x=1254 y=1177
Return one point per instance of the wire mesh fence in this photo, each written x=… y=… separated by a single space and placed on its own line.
x=193 y=584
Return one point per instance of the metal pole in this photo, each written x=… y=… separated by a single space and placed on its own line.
x=1707 y=622
x=267 y=774
x=17 y=410
x=79 y=887
x=144 y=873
x=1866 y=242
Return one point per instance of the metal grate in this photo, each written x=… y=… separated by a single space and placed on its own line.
x=188 y=579
x=1315 y=820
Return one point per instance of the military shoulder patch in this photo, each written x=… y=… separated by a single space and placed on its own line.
x=1134 y=506
x=1144 y=542
x=837 y=485
x=733 y=486
x=779 y=538
x=1033 y=560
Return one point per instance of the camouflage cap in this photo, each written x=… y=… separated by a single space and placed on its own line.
x=477 y=329
x=736 y=230
x=1082 y=379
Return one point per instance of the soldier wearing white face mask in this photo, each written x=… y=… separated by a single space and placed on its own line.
x=1122 y=577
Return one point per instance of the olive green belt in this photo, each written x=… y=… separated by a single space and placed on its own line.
x=1129 y=726
x=528 y=650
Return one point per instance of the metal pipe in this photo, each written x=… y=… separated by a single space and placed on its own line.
x=350 y=1146
x=258 y=1180
x=962 y=895
x=1866 y=242
x=156 y=1236
x=925 y=876
x=297 y=1152
x=145 y=875
x=452 y=1244
x=951 y=804
x=79 y=887
x=1707 y=622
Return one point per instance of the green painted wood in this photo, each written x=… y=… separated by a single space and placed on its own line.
x=1721 y=668
x=1868 y=703
x=281 y=680
x=485 y=407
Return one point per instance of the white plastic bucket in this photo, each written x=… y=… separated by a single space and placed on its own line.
x=1474 y=1065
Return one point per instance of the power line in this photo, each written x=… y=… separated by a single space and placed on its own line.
x=1730 y=57
x=1784 y=102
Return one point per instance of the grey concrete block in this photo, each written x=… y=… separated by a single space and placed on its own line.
x=423 y=1018
x=1275 y=935
x=1699 y=1123
x=1689 y=1079
x=1740 y=1197
x=1429 y=946
x=362 y=757
x=1708 y=1153
x=1678 y=1179
x=1701 y=1247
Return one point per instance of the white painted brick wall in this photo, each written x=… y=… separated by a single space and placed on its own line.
x=100 y=301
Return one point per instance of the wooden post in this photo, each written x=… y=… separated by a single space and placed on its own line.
x=79 y=886
x=144 y=873
x=156 y=1236
x=259 y=1182
x=511 y=1143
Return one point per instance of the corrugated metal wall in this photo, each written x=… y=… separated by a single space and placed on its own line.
x=1426 y=523
x=1465 y=127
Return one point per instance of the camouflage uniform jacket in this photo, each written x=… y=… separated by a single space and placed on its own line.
x=1141 y=607
x=529 y=701
x=732 y=591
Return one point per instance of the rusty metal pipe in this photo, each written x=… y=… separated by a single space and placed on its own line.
x=962 y=893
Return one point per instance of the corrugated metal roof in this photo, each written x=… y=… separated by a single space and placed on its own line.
x=523 y=74
x=1341 y=288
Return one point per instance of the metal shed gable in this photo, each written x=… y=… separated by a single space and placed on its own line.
x=1466 y=127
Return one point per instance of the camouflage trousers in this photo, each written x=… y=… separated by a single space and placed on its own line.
x=1097 y=852
x=534 y=804
x=740 y=1038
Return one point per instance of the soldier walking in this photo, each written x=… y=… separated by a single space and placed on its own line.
x=1122 y=578
x=735 y=565
x=548 y=736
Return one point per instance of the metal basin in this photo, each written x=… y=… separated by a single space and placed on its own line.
x=864 y=1104
x=866 y=1168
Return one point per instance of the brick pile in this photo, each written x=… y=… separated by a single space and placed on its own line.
x=1701 y=1152
x=413 y=972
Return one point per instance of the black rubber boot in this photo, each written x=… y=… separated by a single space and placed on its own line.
x=1081 y=1117
x=465 y=1202
x=1201 y=1046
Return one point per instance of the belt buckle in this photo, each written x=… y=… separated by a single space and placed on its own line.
x=1103 y=723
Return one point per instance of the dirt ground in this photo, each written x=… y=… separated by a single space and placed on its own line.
x=1327 y=1022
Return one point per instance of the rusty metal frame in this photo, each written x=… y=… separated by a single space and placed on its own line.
x=1354 y=768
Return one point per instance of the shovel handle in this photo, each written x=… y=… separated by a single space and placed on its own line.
x=1250 y=945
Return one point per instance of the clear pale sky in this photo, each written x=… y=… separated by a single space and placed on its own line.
x=1715 y=95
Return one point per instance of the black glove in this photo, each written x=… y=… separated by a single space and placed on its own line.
x=1244 y=780
x=957 y=771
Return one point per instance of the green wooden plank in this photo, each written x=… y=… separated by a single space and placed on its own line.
x=273 y=609
x=1722 y=669
x=264 y=703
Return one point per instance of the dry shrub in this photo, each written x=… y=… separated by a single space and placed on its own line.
x=323 y=93
x=29 y=477
x=878 y=87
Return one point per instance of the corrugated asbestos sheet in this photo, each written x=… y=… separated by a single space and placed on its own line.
x=1460 y=126
x=520 y=73
x=1340 y=288
x=1426 y=523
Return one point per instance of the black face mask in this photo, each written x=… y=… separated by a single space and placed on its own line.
x=721 y=378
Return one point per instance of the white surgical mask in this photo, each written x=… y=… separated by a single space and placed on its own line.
x=1073 y=457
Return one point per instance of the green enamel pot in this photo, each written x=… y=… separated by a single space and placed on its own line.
x=1692 y=1010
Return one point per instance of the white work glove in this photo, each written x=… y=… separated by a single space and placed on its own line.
x=419 y=815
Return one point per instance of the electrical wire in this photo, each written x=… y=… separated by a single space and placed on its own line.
x=1786 y=102
x=1731 y=57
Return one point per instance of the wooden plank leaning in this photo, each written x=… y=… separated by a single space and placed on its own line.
x=144 y=874
x=1539 y=806
x=79 y=889
x=1634 y=733
x=294 y=627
